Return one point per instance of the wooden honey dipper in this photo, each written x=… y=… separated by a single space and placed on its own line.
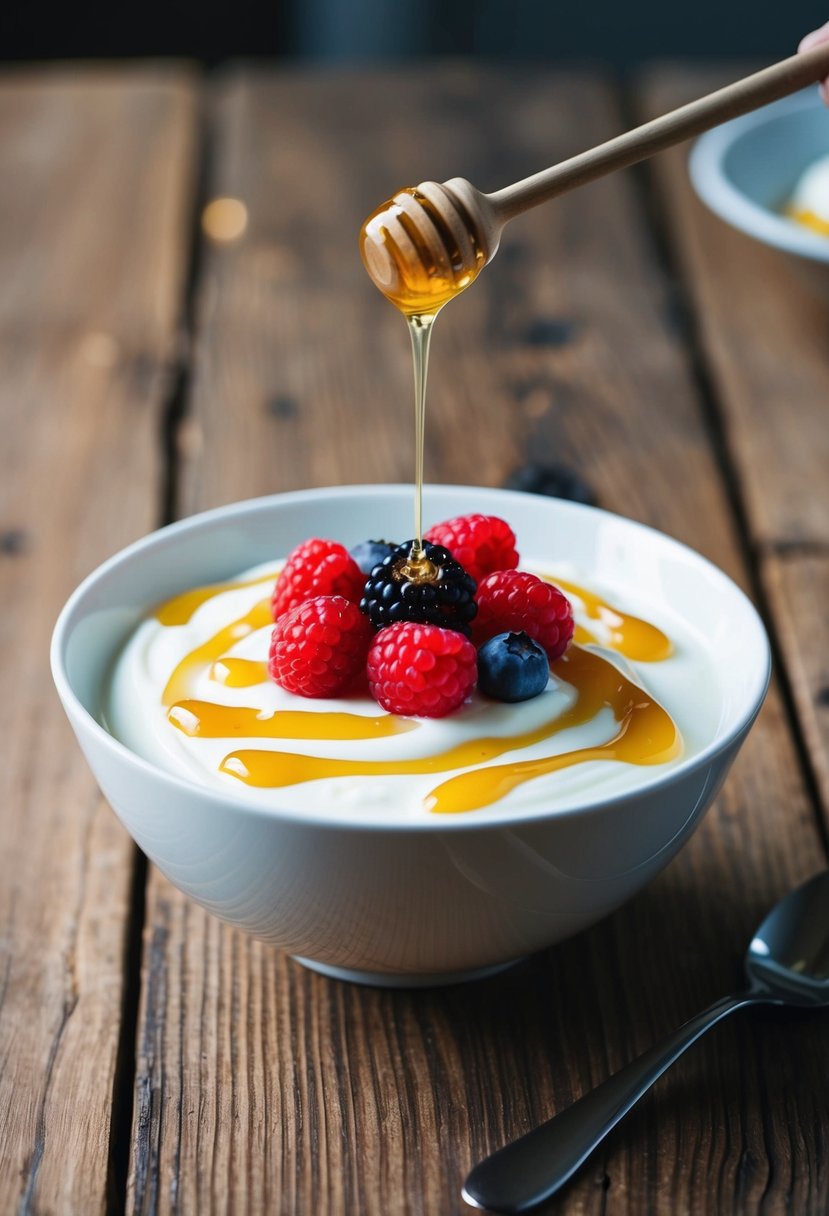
x=429 y=242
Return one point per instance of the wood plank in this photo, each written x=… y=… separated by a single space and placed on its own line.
x=262 y=1086
x=763 y=328
x=96 y=166
x=797 y=585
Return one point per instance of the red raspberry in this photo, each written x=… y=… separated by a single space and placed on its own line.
x=319 y=646
x=481 y=543
x=317 y=567
x=421 y=670
x=510 y=601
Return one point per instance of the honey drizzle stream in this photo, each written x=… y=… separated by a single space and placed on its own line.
x=424 y=282
x=420 y=330
x=646 y=735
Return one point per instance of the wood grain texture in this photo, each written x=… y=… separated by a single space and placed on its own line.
x=95 y=167
x=263 y=1087
x=764 y=329
x=664 y=130
x=763 y=326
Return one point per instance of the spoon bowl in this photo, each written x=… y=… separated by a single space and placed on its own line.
x=788 y=957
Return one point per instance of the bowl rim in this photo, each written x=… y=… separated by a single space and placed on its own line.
x=491 y=817
x=715 y=188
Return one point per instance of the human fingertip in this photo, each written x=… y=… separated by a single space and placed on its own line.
x=815 y=38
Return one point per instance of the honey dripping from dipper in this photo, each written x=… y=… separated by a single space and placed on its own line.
x=420 y=261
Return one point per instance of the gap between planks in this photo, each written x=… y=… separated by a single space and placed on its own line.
x=173 y=415
x=89 y=256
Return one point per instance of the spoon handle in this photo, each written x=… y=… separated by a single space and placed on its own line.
x=750 y=93
x=532 y=1168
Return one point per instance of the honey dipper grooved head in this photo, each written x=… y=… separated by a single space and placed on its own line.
x=428 y=243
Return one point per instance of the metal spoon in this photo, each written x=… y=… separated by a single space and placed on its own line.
x=787 y=964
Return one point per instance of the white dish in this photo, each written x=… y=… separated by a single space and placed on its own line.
x=415 y=899
x=747 y=170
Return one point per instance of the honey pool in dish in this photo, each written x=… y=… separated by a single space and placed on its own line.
x=634 y=695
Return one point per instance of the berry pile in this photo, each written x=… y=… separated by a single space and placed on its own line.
x=403 y=619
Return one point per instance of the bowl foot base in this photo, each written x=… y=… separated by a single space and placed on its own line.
x=388 y=979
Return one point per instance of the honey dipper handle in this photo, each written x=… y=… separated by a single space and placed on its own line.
x=738 y=98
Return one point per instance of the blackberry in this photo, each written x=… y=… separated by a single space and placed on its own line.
x=438 y=592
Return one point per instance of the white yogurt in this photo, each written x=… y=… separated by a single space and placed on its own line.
x=685 y=684
x=809 y=203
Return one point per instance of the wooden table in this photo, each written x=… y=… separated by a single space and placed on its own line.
x=152 y=1060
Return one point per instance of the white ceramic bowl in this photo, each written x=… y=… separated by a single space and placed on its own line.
x=747 y=169
x=388 y=901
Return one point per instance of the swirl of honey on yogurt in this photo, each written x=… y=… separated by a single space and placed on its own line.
x=645 y=732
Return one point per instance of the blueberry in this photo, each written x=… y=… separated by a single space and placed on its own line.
x=370 y=553
x=512 y=667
